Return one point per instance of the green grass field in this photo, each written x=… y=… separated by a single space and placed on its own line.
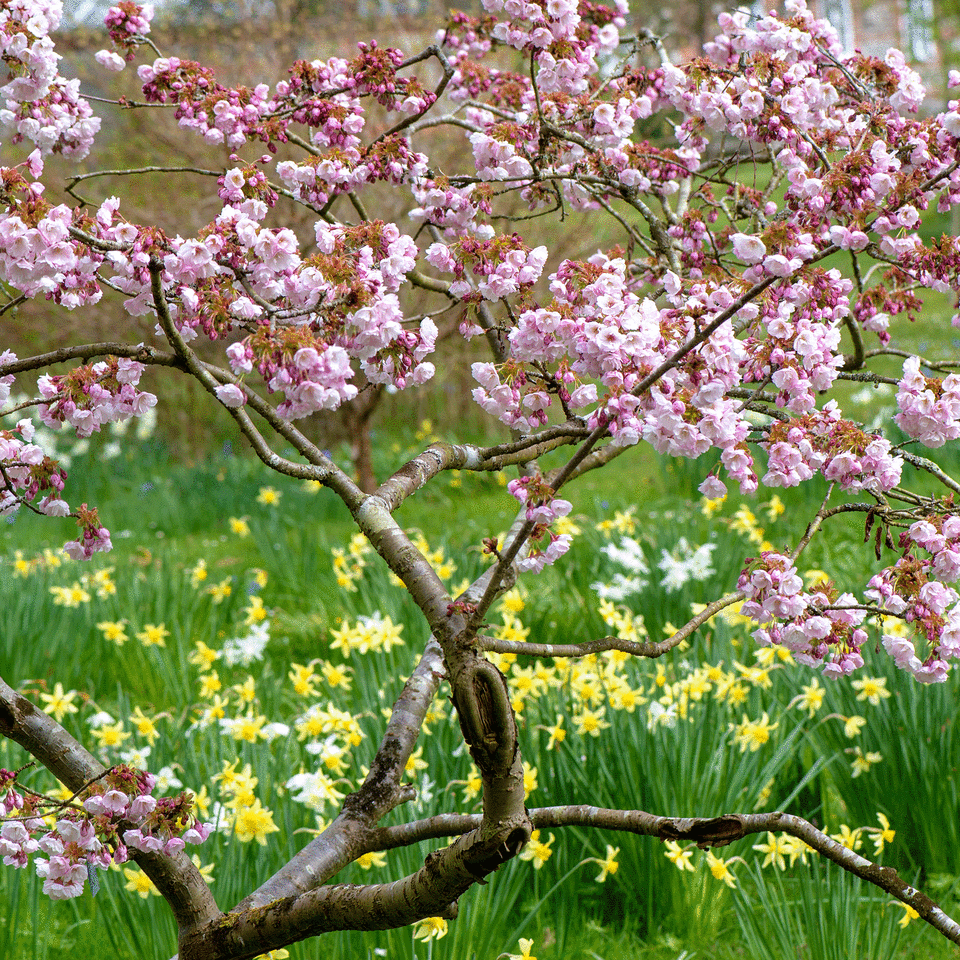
x=254 y=654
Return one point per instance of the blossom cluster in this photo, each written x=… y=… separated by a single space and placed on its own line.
x=90 y=396
x=542 y=509
x=119 y=813
x=928 y=408
x=716 y=327
x=36 y=102
x=819 y=627
x=824 y=443
x=914 y=592
x=126 y=24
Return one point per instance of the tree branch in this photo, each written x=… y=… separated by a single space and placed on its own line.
x=640 y=649
x=348 y=836
x=177 y=879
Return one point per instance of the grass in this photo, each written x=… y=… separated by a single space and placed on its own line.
x=648 y=908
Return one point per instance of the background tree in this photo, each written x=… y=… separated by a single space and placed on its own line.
x=746 y=269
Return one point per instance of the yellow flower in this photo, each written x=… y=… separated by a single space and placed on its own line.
x=145 y=726
x=198 y=573
x=537 y=850
x=268 y=496
x=311 y=486
x=861 y=762
x=882 y=835
x=526 y=946
x=201 y=803
x=153 y=635
x=529 y=779
x=774 y=848
x=708 y=507
x=247 y=728
x=425 y=431
x=205 y=870
x=566 y=526
x=794 y=848
x=139 y=883
x=590 y=721
x=873 y=689
x=815 y=578
x=430 y=928
x=737 y=694
x=58 y=703
x=679 y=857
x=557 y=733
x=811 y=699
x=908 y=914
x=608 y=865
x=217 y=709
x=744 y=521
x=203 y=656
x=847 y=838
x=233 y=781
x=512 y=600
x=246 y=691
x=114 y=631
x=753 y=733
x=281 y=953
x=852 y=725
x=253 y=822
x=719 y=869
x=336 y=675
x=374 y=858
x=302 y=678
x=220 y=591
x=209 y=684
x=111 y=735
x=102 y=582
x=756 y=676
x=775 y=508
x=239 y=526
x=70 y=596
x=473 y=785
x=415 y=763
x=764 y=795
x=255 y=612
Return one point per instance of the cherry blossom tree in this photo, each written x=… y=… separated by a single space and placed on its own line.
x=763 y=206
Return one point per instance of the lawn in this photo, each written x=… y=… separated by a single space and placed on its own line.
x=246 y=648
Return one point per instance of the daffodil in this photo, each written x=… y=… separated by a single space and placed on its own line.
x=774 y=850
x=153 y=635
x=59 y=703
x=679 y=857
x=268 y=496
x=882 y=835
x=526 y=946
x=430 y=928
x=139 y=883
x=720 y=870
x=908 y=914
x=375 y=858
x=871 y=689
x=608 y=864
x=114 y=631
x=253 y=822
x=145 y=725
x=753 y=734
x=537 y=850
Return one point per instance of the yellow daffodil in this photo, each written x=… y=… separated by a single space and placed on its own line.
x=537 y=850
x=58 y=704
x=430 y=928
